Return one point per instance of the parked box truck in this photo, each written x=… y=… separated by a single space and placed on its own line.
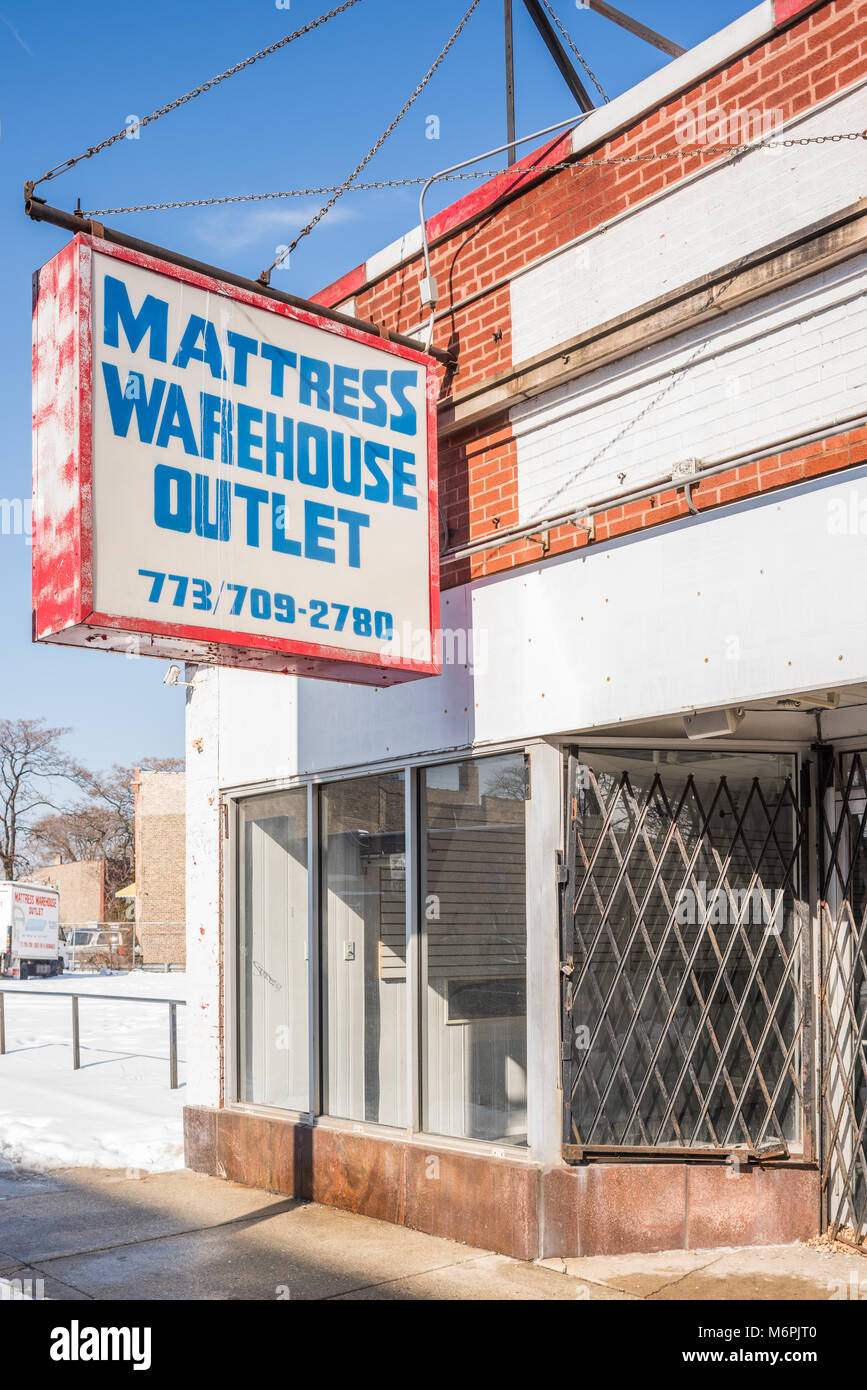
x=30 y=941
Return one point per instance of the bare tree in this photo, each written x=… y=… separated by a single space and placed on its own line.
x=103 y=826
x=31 y=764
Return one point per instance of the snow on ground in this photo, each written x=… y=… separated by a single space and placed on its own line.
x=117 y=1110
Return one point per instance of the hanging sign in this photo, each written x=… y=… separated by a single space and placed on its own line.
x=223 y=478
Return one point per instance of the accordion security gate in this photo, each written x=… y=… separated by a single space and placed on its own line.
x=843 y=988
x=685 y=956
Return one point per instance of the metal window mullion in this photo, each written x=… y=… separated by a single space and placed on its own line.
x=314 y=937
x=231 y=1079
x=412 y=1009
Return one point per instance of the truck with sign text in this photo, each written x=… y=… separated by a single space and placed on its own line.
x=30 y=941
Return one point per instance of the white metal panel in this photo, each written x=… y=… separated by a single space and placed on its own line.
x=738 y=605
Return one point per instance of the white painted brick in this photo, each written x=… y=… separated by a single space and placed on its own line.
x=793 y=356
x=704 y=223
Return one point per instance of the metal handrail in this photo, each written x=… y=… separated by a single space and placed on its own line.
x=86 y=994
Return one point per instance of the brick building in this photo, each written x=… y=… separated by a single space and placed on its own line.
x=507 y=954
x=81 y=884
x=160 y=857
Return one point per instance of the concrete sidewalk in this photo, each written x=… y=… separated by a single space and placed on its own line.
x=181 y=1235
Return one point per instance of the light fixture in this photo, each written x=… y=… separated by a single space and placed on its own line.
x=712 y=723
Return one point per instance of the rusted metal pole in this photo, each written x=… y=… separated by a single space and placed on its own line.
x=76 y=1051
x=173 y=1045
x=71 y=222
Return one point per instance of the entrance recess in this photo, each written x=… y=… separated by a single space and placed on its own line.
x=685 y=956
x=843 y=989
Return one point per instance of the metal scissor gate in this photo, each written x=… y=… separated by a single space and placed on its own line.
x=691 y=1017
x=843 y=988
x=685 y=956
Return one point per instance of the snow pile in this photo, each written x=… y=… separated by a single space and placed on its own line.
x=117 y=1111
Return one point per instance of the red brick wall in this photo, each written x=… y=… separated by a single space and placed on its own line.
x=823 y=51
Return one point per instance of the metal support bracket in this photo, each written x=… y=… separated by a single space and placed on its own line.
x=559 y=54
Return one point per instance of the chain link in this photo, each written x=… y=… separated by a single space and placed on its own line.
x=568 y=37
x=197 y=91
x=415 y=180
x=339 y=192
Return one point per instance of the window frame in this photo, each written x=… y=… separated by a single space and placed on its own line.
x=230 y=798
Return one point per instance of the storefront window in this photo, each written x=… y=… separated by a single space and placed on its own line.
x=363 y=986
x=474 y=1031
x=272 y=970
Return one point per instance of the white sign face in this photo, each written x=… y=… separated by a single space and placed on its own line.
x=262 y=483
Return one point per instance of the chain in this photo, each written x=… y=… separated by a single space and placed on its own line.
x=197 y=91
x=338 y=192
x=568 y=37
x=415 y=179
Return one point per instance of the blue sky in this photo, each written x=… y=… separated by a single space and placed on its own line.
x=302 y=117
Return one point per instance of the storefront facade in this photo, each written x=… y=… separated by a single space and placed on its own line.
x=524 y=954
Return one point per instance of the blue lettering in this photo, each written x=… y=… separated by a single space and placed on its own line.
x=254 y=497
x=152 y=318
x=371 y=382
x=220 y=529
x=406 y=422
x=133 y=396
x=312 y=474
x=279 y=526
x=280 y=359
x=175 y=423
x=173 y=498
x=345 y=393
x=314 y=378
x=402 y=478
x=376 y=491
x=354 y=522
x=350 y=483
x=248 y=415
x=243 y=348
x=209 y=352
x=214 y=409
x=315 y=532
x=275 y=445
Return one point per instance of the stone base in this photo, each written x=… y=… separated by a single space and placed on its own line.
x=513 y=1208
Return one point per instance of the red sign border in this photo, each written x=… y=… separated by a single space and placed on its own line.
x=63 y=609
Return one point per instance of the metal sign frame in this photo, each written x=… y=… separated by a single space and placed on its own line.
x=63 y=601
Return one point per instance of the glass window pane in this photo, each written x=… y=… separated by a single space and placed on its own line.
x=364 y=949
x=474 y=936
x=273 y=1066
